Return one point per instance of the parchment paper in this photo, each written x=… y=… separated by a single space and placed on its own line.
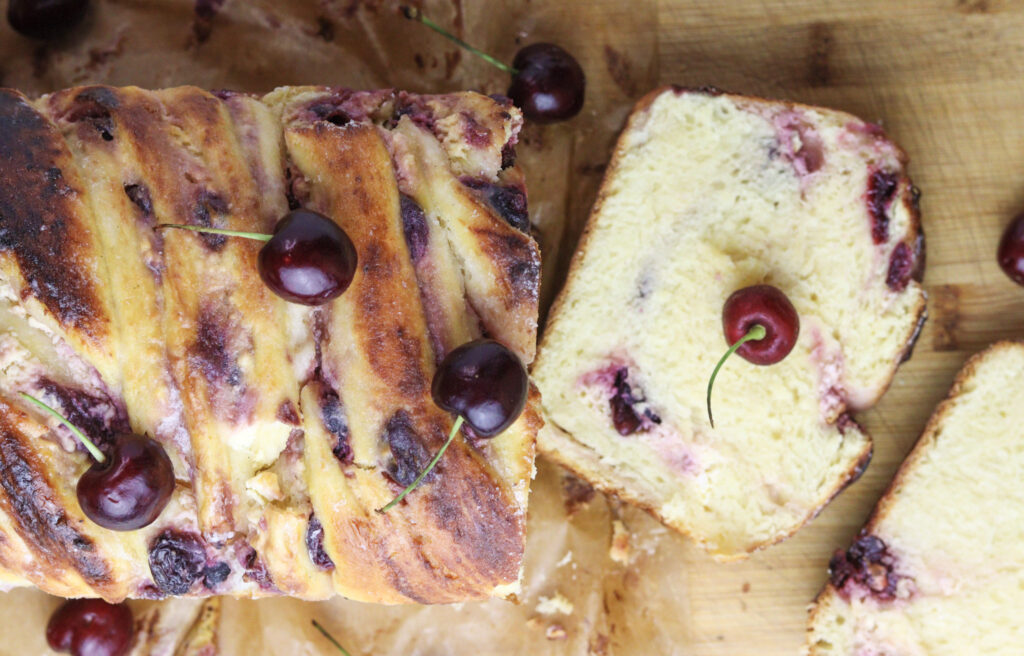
x=632 y=604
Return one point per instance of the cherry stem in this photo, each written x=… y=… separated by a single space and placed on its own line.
x=412 y=13
x=86 y=442
x=218 y=231
x=412 y=486
x=756 y=332
x=327 y=635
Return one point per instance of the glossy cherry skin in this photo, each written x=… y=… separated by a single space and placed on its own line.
x=131 y=488
x=45 y=19
x=309 y=260
x=485 y=383
x=769 y=307
x=1011 y=250
x=91 y=627
x=548 y=84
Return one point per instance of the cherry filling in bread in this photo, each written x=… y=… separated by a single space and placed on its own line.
x=508 y=202
x=881 y=190
x=865 y=569
x=315 y=544
x=176 y=560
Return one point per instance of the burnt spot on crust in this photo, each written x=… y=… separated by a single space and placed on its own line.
x=207 y=205
x=901 y=267
x=409 y=455
x=211 y=352
x=315 y=544
x=176 y=560
x=336 y=423
x=866 y=569
x=881 y=189
x=100 y=418
x=516 y=254
x=41 y=222
x=215 y=574
x=414 y=226
x=39 y=516
x=395 y=352
x=508 y=202
x=93 y=106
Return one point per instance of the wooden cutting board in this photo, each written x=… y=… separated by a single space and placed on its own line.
x=946 y=80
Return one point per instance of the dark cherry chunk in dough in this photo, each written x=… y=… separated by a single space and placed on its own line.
x=315 y=544
x=176 y=560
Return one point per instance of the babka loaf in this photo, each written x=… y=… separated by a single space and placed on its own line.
x=939 y=568
x=708 y=193
x=287 y=425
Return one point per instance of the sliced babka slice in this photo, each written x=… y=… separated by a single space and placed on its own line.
x=939 y=568
x=709 y=193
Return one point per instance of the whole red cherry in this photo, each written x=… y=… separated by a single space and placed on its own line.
x=761 y=325
x=45 y=19
x=484 y=382
x=91 y=627
x=486 y=385
x=765 y=306
x=1011 y=250
x=309 y=260
x=548 y=83
x=131 y=488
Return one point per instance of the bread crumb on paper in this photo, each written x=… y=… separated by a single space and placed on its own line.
x=555 y=605
x=619 y=550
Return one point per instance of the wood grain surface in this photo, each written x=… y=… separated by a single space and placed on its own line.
x=945 y=78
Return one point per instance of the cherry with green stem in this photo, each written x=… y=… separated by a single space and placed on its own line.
x=548 y=84
x=761 y=325
x=319 y=627
x=308 y=259
x=126 y=489
x=485 y=385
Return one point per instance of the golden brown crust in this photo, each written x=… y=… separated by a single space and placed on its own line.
x=238 y=385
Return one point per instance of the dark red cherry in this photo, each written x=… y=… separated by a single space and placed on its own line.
x=309 y=260
x=45 y=19
x=131 y=488
x=1011 y=250
x=485 y=383
x=91 y=627
x=766 y=306
x=548 y=83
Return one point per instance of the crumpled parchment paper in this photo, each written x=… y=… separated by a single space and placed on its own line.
x=581 y=595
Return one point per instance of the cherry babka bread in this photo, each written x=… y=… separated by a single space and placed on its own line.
x=939 y=568
x=708 y=193
x=287 y=425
